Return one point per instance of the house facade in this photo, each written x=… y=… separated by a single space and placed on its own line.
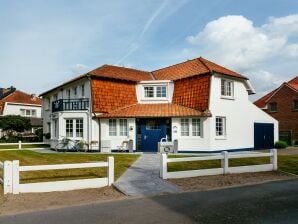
x=197 y=103
x=282 y=104
x=16 y=102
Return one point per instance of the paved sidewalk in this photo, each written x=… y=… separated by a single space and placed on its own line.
x=142 y=178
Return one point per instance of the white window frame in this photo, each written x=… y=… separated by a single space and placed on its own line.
x=123 y=127
x=79 y=128
x=155 y=95
x=73 y=134
x=191 y=131
x=225 y=88
x=224 y=127
x=112 y=129
x=28 y=112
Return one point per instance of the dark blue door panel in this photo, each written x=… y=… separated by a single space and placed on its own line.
x=152 y=130
x=263 y=136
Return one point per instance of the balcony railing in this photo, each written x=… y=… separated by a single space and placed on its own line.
x=70 y=104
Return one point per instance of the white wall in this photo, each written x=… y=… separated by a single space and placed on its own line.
x=240 y=115
x=61 y=93
x=192 y=143
x=15 y=109
x=117 y=140
x=140 y=91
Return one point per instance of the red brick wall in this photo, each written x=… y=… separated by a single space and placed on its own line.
x=287 y=117
x=109 y=95
x=192 y=92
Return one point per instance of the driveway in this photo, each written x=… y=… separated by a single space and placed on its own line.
x=275 y=202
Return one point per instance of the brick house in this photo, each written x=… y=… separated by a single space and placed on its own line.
x=16 y=102
x=197 y=103
x=282 y=104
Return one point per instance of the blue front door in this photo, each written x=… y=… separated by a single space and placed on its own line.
x=152 y=130
x=263 y=136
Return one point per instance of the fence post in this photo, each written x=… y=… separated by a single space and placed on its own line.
x=110 y=170
x=225 y=162
x=7 y=177
x=163 y=165
x=273 y=159
x=15 y=176
x=20 y=144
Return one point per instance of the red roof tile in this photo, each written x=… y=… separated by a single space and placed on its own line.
x=197 y=66
x=154 y=110
x=115 y=72
x=21 y=97
x=108 y=95
x=293 y=83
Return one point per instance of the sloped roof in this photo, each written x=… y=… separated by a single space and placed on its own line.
x=182 y=70
x=115 y=72
x=21 y=97
x=192 y=67
x=154 y=110
x=293 y=83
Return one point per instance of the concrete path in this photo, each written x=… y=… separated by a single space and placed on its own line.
x=142 y=178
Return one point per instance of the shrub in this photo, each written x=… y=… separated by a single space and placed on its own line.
x=280 y=145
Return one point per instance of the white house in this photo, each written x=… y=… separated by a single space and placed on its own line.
x=197 y=103
x=16 y=102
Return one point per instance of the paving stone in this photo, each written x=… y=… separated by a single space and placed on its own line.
x=142 y=178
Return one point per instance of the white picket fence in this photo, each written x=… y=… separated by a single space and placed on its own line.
x=224 y=169
x=20 y=144
x=12 y=169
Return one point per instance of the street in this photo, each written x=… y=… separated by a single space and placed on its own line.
x=275 y=202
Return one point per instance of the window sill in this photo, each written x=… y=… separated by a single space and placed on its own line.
x=221 y=138
x=227 y=98
x=155 y=99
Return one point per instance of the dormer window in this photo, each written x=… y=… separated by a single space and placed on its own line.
x=149 y=91
x=155 y=92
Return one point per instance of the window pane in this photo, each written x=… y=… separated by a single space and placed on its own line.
x=161 y=91
x=112 y=127
x=273 y=107
x=79 y=128
x=184 y=127
x=152 y=125
x=69 y=128
x=220 y=126
x=295 y=104
x=33 y=113
x=196 y=128
x=83 y=90
x=28 y=112
x=226 y=88
x=149 y=91
x=123 y=127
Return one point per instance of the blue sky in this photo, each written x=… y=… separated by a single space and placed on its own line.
x=43 y=43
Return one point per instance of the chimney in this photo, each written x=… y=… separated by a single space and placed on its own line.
x=33 y=96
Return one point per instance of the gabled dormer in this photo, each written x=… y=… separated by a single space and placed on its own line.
x=155 y=91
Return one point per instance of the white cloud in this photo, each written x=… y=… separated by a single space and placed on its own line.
x=234 y=41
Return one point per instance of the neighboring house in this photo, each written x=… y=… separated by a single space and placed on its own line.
x=282 y=104
x=15 y=102
x=200 y=104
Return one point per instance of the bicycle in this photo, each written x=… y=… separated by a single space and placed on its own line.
x=67 y=144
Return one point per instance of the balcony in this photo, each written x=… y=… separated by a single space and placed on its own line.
x=70 y=104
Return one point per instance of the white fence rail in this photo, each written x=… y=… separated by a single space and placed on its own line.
x=224 y=169
x=12 y=169
x=20 y=144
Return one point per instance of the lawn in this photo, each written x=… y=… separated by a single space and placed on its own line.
x=24 y=146
x=26 y=157
x=287 y=163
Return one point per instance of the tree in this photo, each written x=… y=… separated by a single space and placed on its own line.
x=16 y=123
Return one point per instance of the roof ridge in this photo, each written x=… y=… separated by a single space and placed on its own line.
x=134 y=69
x=296 y=77
x=200 y=59
x=174 y=64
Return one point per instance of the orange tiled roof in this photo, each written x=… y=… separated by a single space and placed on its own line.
x=21 y=97
x=293 y=83
x=192 y=67
x=154 y=110
x=115 y=72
